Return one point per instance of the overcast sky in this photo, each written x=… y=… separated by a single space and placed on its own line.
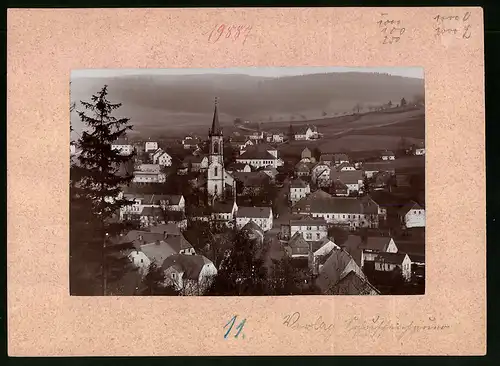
x=413 y=72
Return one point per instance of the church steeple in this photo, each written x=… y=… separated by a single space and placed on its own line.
x=216 y=130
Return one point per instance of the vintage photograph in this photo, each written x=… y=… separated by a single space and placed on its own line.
x=261 y=181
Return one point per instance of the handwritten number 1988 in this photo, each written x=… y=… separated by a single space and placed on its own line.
x=230 y=325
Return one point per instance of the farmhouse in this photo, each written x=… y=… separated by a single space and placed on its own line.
x=313 y=229
x=260 y=156
x=306 y=133
x=387 y=155
x=352 y=179
x=303 y=169
x=145 y=177
x=123 y=146
x=320 y=175
x=191 y=274
x=262 y=216
x=298 y=190
x=412 y=215
x=151 y=146
x=351 y=212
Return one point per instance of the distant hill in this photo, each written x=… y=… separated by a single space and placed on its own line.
x=176 y=102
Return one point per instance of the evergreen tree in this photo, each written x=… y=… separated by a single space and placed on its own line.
x=95 y=186
x=154 y=280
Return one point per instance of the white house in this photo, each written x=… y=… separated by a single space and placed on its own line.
x=277 y=137
x=320 y=175
x=150 y=168
x=140 y=201
x=298 y=190
x=418 y=149
x=262 y=216
x=149 y=177
x=353 y=179
x=412 y=215
x=345 y=167
x=190 y=142
x=372 y=246
x=258 y=157
x=190 y=274
x=151 y=146
x=123 y=146
x=139 y=260
x=351 y=212
x=224 y=213
x=388 y=155
x=311 y=229
x=306 y=133
x=163 y=159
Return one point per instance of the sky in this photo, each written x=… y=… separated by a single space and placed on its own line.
x=413 y=72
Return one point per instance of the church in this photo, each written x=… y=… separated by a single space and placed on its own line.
x=219 y=182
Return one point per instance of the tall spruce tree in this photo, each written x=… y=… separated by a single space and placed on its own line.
x=95 y=187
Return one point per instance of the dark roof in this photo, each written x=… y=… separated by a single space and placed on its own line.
x=306 y=152
x=352 y=246
x=220 y=207
x=298 y=183
x=304 y=166
x=320 y=201
x=403 y=180
x=379 y=166
x=170 y=229
x=134 y=236
x=216 y=129
x=417 y=258
x=151 y=211
x=194 y=159
x=411 y=248
x=178 y=242
x=236 y=166
x=326 y=157
x=353 y=284
x=155 y=199
x=338 y=185
x=392 y=258
x=252 y=227
x=254 y=212
x=303 y=129
x=251 y=179
x=347 y=177
x=191 y=265
x=385 y=199
x=379 y=243
x=307 y=220
x=387 y=153
x=343 y=165
x=298 y=244
x=256 y=154
x=158 y=251
x=339 y=157
x=338 y=264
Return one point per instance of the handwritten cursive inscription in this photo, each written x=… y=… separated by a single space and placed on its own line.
x=233 y=33
x=392 y=30
x=452 y=24
x=292 y=321
x=376 y=326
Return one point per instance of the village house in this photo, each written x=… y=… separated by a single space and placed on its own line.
x=123 y=146
x=337 y=273
x=195 y=163
x=306 y=133
x=191 y=142
x=190 y=274
x=150 y=216
x=140 y=201
x=313 y=229
x=298 y=190
x=382 y=181
x=338 y=188
x=306 y=155
x=372 y=246
x=147 y=177
x=259 y=156
x=418 y=149
x=345 y=167
x=239 y=167
x=149 y=168
x=303 y=169
x=388 y=262
x=163 y=159
x=320 y=175
x=256 y=135
x=388 y=155
x=254 y=233
x=327 y=159
x=352 y=179
x=224 y=213
x=241 y=142
x=412 y=215
x=298 y=247
x=371 y=168
x=251 y=183
x=340 y=158
x=351 y=212
x=151 y=146
x=262 y=216
x=275 y=137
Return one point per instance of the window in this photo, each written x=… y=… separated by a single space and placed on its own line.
x=309 y=236
x=216 y=171
x=343 y=216
x=173 y=276
x=216 y=148
x=317 y=236
x=309 y=228
x=348 y=216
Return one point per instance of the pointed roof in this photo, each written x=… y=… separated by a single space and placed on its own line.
x=216 y=129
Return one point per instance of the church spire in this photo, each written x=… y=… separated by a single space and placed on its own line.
x=215 y=130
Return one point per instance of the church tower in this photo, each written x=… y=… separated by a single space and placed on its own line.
x=215 y=178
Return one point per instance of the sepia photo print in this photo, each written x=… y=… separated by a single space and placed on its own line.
x=247 y=181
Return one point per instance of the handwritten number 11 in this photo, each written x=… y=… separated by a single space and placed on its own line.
x=239 y=327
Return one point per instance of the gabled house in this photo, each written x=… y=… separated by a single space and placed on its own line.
x=309 y=132
x=320 y=175
x=151 y=146
x=352 y=179
x=195 y=163
x=298 y=190
x=412 y=215
x=327 y=159
x=372 y=168
x=345 y=167
x=306 y=155
x=239 y=167
x=340 y=158
x=254 y=232
x=262 y=216
x=303 y=169
x=224 y=213
x=338 y=188
x=190 y=274
x=313 y=229
x=387 y=155
x=372 y=246
x=123 y=146
x=338 y=268
x=259 y=156
x=388 y=262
